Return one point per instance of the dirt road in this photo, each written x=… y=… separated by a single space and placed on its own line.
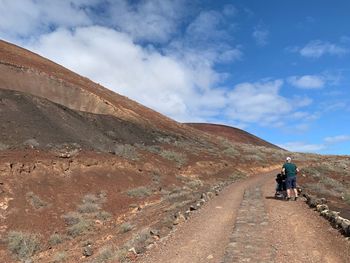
x=246 y=224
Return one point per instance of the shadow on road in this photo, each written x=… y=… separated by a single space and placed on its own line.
x=274 y=198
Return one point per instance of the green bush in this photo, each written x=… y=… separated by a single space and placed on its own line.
x=23 y=245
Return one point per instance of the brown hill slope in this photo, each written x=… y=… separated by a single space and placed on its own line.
x=231 y=133
x=27 y=120
x=25 y=71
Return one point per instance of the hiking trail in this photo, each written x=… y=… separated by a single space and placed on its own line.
x=246 y=224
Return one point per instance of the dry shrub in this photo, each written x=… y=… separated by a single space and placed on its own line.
x=55 y=239
x=23 y=245
x=59 y=257
x=126 y=227
x=105 y=254
x=103 y=215
x=35 y=200
x=179 y=158
x=127 y=151
x=82 y=227
x=88 y=208
x=71 y=218
x=139 y=192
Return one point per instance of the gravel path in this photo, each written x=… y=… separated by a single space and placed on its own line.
x=246 y=224
x=248 y=240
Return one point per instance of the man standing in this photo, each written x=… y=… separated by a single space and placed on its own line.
x=290 y=170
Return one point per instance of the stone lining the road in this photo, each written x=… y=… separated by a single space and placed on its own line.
x=248 y=240
x=343 y=224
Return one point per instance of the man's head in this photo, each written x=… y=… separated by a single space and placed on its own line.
x=288 y=159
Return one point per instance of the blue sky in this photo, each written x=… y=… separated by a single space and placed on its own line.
x=277 y=69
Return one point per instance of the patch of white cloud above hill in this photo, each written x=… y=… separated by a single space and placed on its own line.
x=261 y=35
x=307 y=81
x=327 y=142
x=319 y=48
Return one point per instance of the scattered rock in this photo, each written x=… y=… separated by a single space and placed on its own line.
x=154 y=232
x=133 y=250
x=193 y=208
x=179 y=218
x=333 y=216
x=345 y=225
x=87 y=251
x=210 y=195
x=321 y=208
x=150 y=246
x=32 y=143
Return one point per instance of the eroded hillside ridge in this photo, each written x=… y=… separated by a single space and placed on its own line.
x=28 y=72
x=29 y=121
x=231 y=133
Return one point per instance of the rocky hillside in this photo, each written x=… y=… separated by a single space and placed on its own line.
x=87 y=174
x=232 y=134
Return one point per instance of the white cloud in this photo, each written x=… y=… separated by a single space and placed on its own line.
x=337 y=139
x=261 y=35
x=259 y=102
x=307 y=81
x=112 y=59
x=155 y=20
x=302 y=147
x=27 y=18
x=324 y=145
x=318 y=48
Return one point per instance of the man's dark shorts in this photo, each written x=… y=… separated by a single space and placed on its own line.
x=291 y=182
